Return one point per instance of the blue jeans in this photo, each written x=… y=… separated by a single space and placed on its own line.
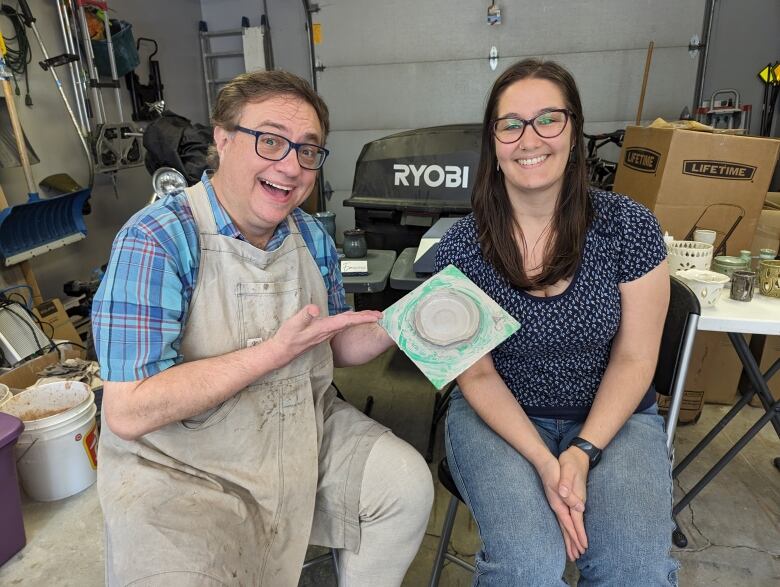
x=628 y=512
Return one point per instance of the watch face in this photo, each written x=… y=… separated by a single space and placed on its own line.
x=594 y=454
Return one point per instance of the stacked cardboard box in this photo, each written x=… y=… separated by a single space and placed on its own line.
x=678 y=174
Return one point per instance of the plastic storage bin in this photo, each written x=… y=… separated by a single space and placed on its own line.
x=12 y=538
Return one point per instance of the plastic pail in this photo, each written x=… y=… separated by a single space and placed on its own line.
x=56 y=455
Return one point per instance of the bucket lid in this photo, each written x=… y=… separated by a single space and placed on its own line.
x=10 y=429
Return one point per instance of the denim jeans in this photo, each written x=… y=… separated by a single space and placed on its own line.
x=628 y=511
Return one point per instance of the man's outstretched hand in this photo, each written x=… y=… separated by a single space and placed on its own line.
x=306 y=329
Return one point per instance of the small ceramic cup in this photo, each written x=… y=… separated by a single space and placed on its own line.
x=355 y=246
x=328 y=219
x=767 y=254
x=703 y=235
x=742 y=284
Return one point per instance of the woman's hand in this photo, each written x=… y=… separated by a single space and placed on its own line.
x=573 y=487
x=570 y=518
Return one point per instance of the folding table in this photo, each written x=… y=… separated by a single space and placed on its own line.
x=761 y=316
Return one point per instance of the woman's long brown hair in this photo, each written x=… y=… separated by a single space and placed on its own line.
x=497 y=227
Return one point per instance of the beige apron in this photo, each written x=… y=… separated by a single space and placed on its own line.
x=228 y=497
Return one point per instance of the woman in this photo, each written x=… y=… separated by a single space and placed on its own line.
x=553 y=439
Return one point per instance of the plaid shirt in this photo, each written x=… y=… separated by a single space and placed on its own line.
x=138 y=312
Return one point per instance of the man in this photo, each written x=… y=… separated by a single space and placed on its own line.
x=225 y=450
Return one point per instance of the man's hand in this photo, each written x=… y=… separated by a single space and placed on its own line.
x=306 y=329
x=570 y=518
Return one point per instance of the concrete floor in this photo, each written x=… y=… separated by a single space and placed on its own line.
x=733 y=526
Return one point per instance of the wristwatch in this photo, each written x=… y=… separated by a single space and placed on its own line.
x=593 y=452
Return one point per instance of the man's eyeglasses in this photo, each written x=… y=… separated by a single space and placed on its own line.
x=275 y=148
x=547 y=125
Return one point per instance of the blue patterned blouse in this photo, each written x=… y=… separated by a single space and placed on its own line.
x=554 y=364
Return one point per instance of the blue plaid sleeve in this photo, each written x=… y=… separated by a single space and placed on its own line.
x=138 y=311
x=323 y=249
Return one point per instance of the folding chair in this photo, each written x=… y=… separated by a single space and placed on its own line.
x=674 y=355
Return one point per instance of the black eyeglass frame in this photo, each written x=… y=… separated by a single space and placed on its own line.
x=531 y=122
x=290 y=146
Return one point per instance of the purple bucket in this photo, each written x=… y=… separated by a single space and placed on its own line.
x=12 y=538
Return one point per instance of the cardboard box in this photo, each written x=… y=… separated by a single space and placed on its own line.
x=26 y=374
x=714 y=369
x=678 y=173
x=692 y=404
x=767 y=231
x=53 y=313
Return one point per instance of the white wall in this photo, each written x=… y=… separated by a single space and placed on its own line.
x=403 y=64
x=173 y=24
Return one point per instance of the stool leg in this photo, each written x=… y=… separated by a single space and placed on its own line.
x=335 y=558
x=440 y=404
x=446 y=533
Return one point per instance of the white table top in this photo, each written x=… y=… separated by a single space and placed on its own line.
x=761 y=315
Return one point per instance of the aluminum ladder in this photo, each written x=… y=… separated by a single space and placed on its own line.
x=210 y=58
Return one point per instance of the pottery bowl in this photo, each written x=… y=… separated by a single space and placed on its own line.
x=446 y=317
x=688 y=255
x=707 y=285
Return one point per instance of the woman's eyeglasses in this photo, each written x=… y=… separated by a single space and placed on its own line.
x=548 y=125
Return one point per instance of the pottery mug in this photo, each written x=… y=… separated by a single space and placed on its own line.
x=355 y=246
x=703 y=235
x=328 y=220
x=742 y=283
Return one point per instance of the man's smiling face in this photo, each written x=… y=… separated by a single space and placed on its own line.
x=257 y=193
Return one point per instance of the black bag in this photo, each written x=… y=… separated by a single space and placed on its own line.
x=174 y=141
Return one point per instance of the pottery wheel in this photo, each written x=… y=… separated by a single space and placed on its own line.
x=446 y=317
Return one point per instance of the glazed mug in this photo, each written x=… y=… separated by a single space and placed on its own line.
x=742 y=283
x=703 y=235
x=355 y=246
x=328 y=220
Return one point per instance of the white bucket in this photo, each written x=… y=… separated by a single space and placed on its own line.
x=5 y=395
x=56 y=455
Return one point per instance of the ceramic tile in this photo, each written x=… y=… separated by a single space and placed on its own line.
x=446 y=324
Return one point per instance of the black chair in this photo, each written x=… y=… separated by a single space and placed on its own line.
x=669 y=379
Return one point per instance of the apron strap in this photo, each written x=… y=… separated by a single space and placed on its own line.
x=201 y=208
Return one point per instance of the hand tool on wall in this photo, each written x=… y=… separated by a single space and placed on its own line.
x=147 y=99
x=29 y=21
x=39 y=225
x=770 y=76
x=110 y=146
x=29 y=277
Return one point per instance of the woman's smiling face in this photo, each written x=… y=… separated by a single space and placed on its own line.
x=533 y=165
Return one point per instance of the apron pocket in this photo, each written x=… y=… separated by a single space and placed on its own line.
x=263 y=307
x=212 y=416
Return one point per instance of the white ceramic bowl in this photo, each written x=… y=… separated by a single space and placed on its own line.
x=707 y=285
x=688 y=255
x=446 y=317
